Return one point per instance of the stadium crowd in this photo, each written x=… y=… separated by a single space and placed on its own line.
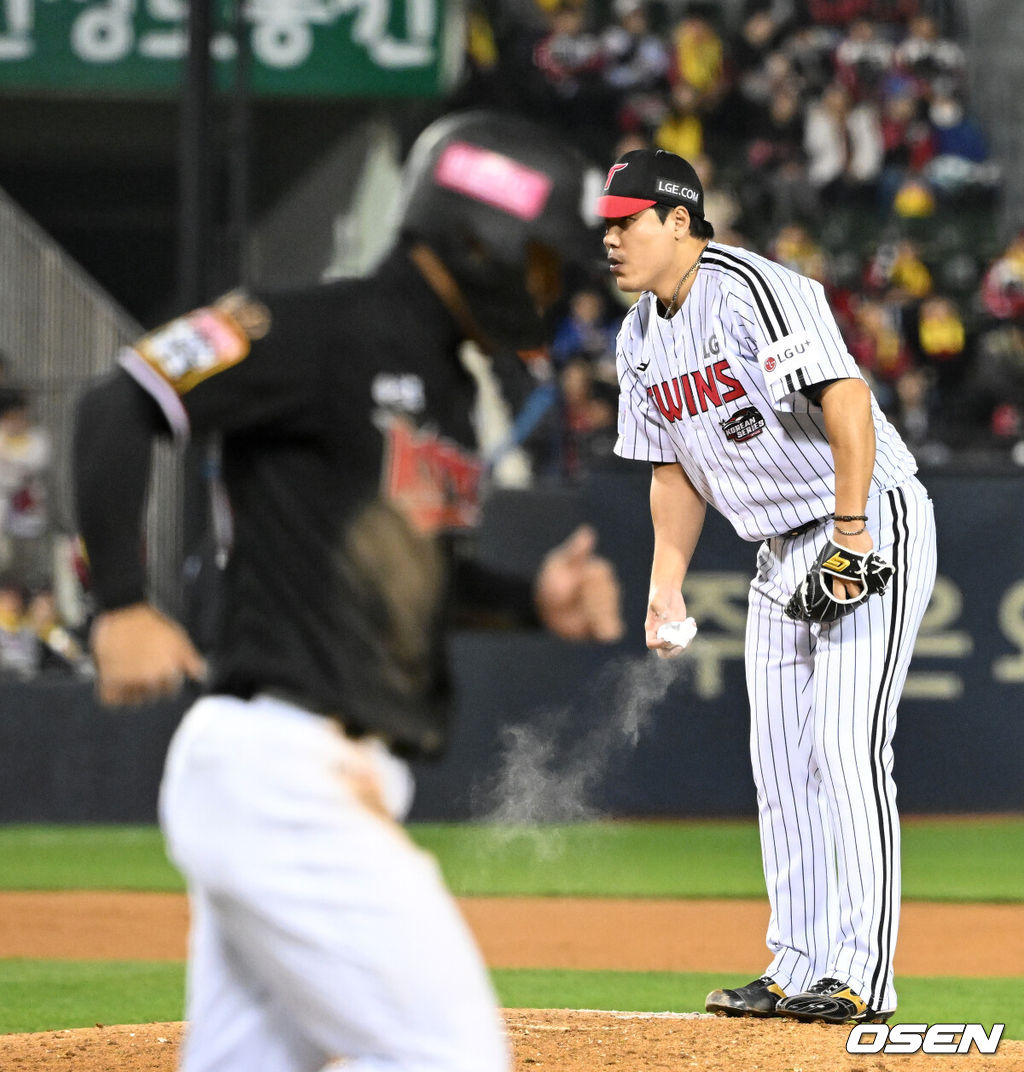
x=835 y=136
x=34 y=633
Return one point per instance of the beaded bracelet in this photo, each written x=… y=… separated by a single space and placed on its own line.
x=851 y=517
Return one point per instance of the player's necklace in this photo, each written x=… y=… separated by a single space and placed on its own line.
x=670 y=309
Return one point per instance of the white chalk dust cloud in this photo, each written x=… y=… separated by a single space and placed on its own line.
x=546 y=777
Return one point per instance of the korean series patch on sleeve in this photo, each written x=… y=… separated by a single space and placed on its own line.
x=202 y=343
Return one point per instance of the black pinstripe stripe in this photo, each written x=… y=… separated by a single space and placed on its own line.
x=758 y=275
x=897 y=625
x=774 y=789
x=774 y=333
x=752 y=276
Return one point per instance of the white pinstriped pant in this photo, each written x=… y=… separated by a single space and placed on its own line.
x=319 y=930
x=823 y=712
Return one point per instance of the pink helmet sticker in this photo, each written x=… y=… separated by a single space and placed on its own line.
x=494 y=179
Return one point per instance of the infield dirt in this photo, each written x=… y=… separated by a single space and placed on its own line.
x=537 y=932
x=550 y=1040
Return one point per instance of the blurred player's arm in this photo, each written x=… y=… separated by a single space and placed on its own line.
x=574 y=594
x=677 y=514
x=576 y=591
x=139 y=653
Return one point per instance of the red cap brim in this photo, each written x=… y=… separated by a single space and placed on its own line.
x=614 y=208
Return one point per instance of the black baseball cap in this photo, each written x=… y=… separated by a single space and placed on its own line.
x=643 y=178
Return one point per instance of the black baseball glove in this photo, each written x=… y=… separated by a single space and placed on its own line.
x=813 y=601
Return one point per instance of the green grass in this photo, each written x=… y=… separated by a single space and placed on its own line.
x=49 y=995
x=599 y=859
x=85 y=858
x=977 y=859
x=964 y=860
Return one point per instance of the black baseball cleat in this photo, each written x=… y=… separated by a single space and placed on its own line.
x=830 y=1001
x=758 y=998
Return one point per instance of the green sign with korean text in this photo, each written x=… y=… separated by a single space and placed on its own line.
x=352 y=48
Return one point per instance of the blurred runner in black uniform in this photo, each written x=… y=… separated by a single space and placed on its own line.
x=349 y=460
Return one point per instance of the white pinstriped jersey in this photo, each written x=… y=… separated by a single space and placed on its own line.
x=717 y=388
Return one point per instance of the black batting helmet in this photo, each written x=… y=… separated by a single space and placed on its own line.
x=481 y=188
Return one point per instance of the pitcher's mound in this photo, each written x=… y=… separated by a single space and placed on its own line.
x=550 y=1040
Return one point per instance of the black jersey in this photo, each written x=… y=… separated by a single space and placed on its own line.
x=349 y=462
